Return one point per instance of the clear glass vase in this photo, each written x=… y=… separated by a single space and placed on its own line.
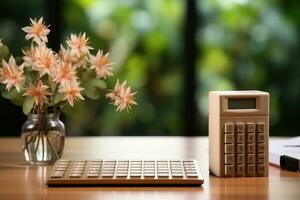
x=43 y=138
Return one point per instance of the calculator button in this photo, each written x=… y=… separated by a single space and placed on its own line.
x=60 y=168
x=228 y=148
x=107 y=175
x=261 y=158
x=261 y=127
x=194 y=175
x=240 y=170
x=250 y=148
x=163 y=175
x=62 y=165
x=250 y=138
x=250 y=170
x=240 y=158
x=240 y=127
x=121 y=175
x=250 y=158
x=261 y=148
x=75 y=175
x=177 y=175
x=261 y=137
x=149 y=175
x=229 y=128
x=240 y=138
x=92 y=175
x=251 y=127
x=57 y=174
x=260 y=169
x=229 y=159
x=229 y=170
x=229 y=138
x=240 y=148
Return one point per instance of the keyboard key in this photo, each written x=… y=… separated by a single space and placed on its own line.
x=250 y=148
x=177 y=175
x=261 y=148
x=261 y=127
x=229 y=170
x=250 y=170
x=149 y=174
x=192 y=175
x=240 y=158
x=75 y=175
x=229 y=148
x=251 y=127
x=163 y=174
x=92 y=175
x=107 y=175
x=250 y=138
x=62 y=165
x=229 y=128
x=240 y=148
x=121 y=175
x=261 y=138
x=240 y=170
x=250 y=158
x=60 y=169
x=240 y=138
x=240 y=127
x=261 y=158
x=229 y=159
x=229 y=138
x=260 y=169
x=57 y=174
x=135 y=175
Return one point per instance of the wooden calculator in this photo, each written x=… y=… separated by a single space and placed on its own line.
x=238 y=133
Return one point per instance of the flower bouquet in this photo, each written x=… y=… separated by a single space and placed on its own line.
x=43 y=82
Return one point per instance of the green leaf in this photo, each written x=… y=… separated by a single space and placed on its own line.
x=19 y=60
x=87 y=75
x=13 y=93
x=59 y=97
x=4 y=52
x=91 y=92
x=18 y=100
x=98 y=83
x=28 y=105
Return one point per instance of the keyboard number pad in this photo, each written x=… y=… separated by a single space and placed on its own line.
x=244 y=149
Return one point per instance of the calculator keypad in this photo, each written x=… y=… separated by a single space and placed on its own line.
x=244 y=149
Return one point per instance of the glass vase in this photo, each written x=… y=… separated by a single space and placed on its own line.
x=43 y=138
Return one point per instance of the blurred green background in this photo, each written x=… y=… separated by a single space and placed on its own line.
x=239 y=44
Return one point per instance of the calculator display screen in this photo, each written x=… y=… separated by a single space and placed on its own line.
x=244 y=103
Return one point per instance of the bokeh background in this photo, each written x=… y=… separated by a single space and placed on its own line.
x=173 y=52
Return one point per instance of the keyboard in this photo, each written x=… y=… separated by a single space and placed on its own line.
x=125 y=172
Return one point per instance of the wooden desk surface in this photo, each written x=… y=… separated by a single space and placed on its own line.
x=19 y=180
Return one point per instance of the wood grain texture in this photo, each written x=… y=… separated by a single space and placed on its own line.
x=18 y=180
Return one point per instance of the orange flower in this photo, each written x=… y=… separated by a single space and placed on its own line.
x=45 y=62
x=11 y=74
x=79 y=44
x=30 y=56
x=101 y=64
x=38 y=31
x=66 y=55
x=65 y=74
x=38 y=92
x=122 y=96
x=72 y=92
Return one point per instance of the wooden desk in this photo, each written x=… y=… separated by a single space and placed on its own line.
x=19 y=180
